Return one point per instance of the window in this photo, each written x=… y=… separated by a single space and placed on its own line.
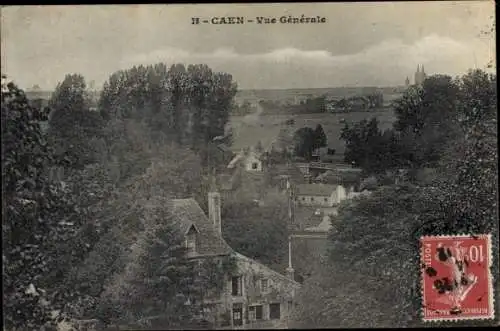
x=274 y=311
x=191 y=242
x=258 y=312
x=326 y=199
x=290 y=306
x=255 y=313
x=303 y=199
x=237 y=314
x=263 y=285
x=236 y=286
x=254 y=165
x=251 y=313
x=312 y=198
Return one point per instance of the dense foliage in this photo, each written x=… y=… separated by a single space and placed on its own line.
x=190 y=105
x=306 y=140
x=258 y=232
x=369 y=148
x=74 y=130
x=41 y=221
x=428 y=119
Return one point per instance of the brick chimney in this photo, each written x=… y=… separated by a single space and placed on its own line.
x=214 y=213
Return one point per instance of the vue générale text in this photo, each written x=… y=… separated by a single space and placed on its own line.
x=222 y=20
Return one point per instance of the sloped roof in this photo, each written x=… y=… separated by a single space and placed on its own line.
x=235 y=160
x=187 y=212
x=315 y=189
x=304 y=216
x=324 y=226
x=339 y=177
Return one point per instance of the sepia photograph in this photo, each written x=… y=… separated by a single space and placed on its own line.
x=249 y=166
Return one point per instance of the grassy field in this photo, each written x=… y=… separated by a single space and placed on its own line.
x=290 y=94
x=248 y=130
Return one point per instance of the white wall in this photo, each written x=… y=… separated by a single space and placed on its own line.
x=316 y=200
x=337 y=196
x=341 y=194
x=251 y=159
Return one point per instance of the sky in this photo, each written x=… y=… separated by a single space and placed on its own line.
x=361 y=44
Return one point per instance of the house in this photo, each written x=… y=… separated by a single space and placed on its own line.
x=254 y=295
x=320 y=194
x=249 y=295
x=325 y=154
x=282 y=173
x=249 y=159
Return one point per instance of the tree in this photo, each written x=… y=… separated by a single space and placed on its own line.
x=36 y=215
x=74 y=130
x=259 y=232
x=426 y=116
x=375 y=100
x=304 y=142
x=157 y=279
x=320 y=137
x=370 y=148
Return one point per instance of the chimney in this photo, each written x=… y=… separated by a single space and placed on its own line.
x=214 y=211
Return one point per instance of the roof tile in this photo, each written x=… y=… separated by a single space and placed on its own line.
x=187 y=212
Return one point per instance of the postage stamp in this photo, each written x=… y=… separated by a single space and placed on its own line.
x=456 y=278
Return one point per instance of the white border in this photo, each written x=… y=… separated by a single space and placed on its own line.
x=490 y=279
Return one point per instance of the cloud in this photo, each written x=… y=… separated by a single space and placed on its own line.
x=385 y=63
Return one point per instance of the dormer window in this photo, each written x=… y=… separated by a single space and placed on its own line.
x=254 y=165
x=190 y=242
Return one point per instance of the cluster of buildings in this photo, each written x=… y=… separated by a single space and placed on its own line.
x=255 y=295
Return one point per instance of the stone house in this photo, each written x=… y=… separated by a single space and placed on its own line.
x=253 y=295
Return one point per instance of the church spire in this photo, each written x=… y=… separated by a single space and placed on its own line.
x=418 y=67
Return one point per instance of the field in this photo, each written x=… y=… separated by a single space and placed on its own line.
x=248 y=130
x=291 y=94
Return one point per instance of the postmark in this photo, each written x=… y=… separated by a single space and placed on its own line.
x=456 y=278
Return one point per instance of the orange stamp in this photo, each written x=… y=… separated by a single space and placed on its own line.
x=456 y=277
